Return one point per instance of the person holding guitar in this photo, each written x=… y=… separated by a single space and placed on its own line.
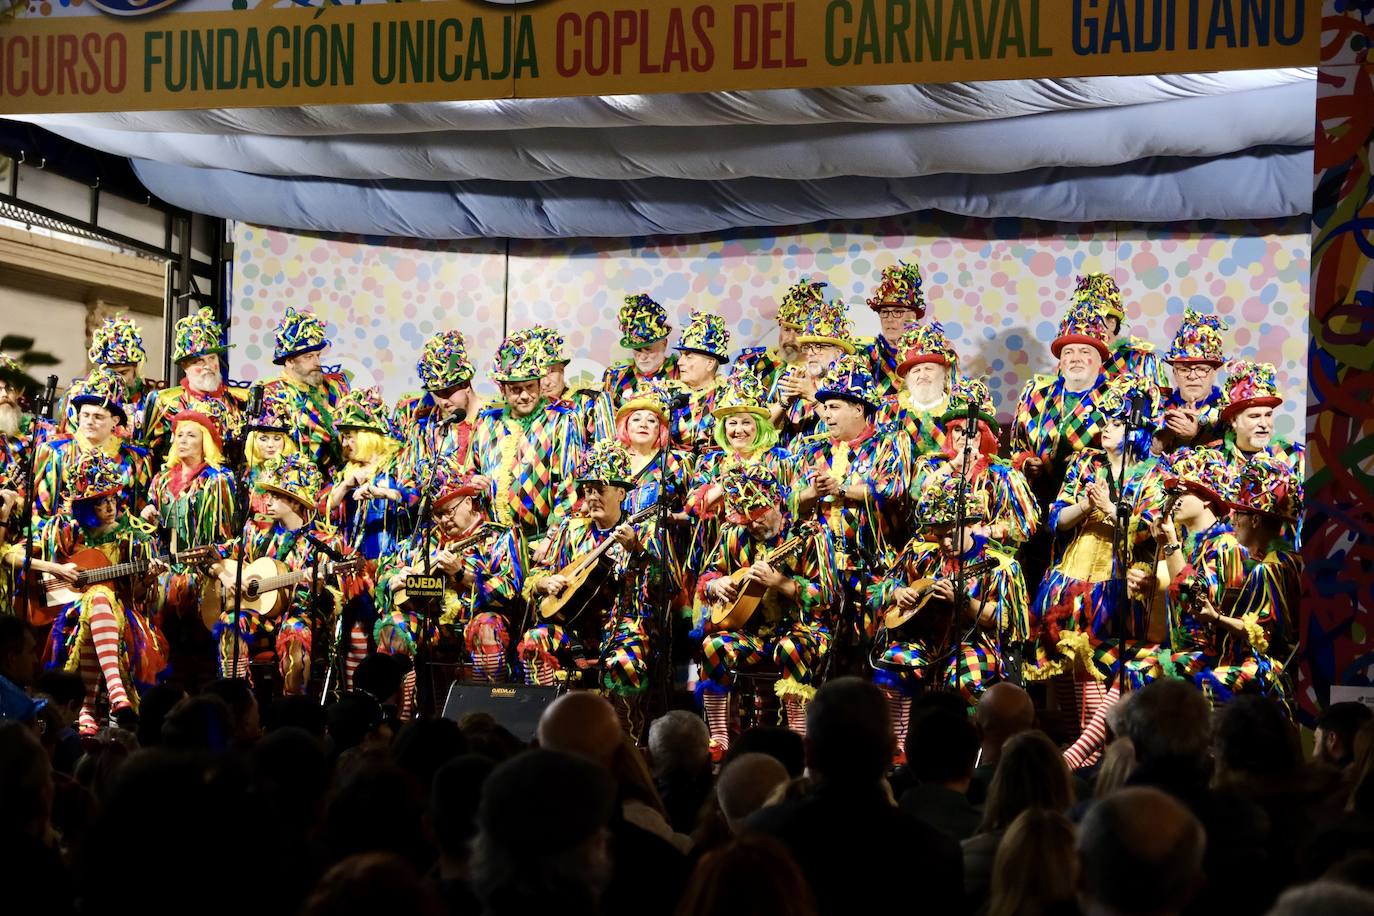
x=483 y=564
x=296 y=542
x=933 y=632
x=788 y=580
x=106 y=632
x=614 y=619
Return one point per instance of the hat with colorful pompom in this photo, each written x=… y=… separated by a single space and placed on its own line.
x=117 y=342
x=102 y=388
x=551 y=342
x=654 y=394
x=899 y=286
x=608 y=461
x=1102 y=288
x=969 y=392
x=299 y=332
x=95 y=475
x=363 y=408
x=444 y=362
x=937 y=506
x=455 y=486
x=1249 y=384
x=850 y=379
x=750 y=491
x=1198 y=340
x=198 y=334
x=828 y=324
x=1084 y=323
x=1269 y=485
x=705 y=333
x=742 y=392
x=642 y=322
x=517 y=360
x=800 y=300
x=1122 y=393
x=1204 y=471
x=294 y=476
x=210 y=415
x=925 y=343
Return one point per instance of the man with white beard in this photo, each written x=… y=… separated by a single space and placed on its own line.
x=196 y=349
x=312 y=394
x=14 y=441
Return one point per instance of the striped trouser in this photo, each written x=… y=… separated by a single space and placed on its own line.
x=796 y=650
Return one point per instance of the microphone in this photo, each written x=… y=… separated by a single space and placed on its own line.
x=1137 y=412
x=458 y=416
x=680 y=401
x=323 y=548
x=49 y=397
x=254 y=401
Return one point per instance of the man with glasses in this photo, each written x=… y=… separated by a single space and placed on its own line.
x=826 y=337
x=1192 y=411
x=899 y=302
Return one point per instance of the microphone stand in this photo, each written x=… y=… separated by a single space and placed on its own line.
x=424 y=689
x=1120 y=548
x=960 y=518
x=42 y=410
x=244 y=507
x=664 y=593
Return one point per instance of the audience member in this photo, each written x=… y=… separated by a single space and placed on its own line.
x=679 y=750
x=452 y=818
x=18 y=665
x=304 y=713
x=290 y=776
x=1035 y=871
x=423 y=746
x=1333 y=739
x=941 y=749
x=1117 y=763
x=783 y=744
x=1004 y=711
x=1324 y=898
x=157 y=702
x=1140 y=854
x=834 y=831
x=64 y=692
x=1031 y=774
x=357 y=721
x=372 y=883
x=243 y=708
x=199 y=723
x=489 y=738
x=378 y=808
x=379 y=675
x=751 y=875
x=547 y=850
x=745 y=785
x=28 y=848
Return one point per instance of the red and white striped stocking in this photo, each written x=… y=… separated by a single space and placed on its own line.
x=795 y=709
x=227 y=656
x=1089 y=745
x=717 y=707
x=105 y=636
x=899 y=705
x=89 y=669
x=357 y=651
x=406 y=709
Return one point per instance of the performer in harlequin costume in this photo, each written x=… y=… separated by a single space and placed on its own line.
x=484 y=579
x=1129 y=355
x=792 y=399
x=192 y=499
x=1257 y=630
x=107 y=634
x=1247 y=415
x=117 y=345
x=369 y=504
x=197 y=346
x=312 y=394
x=796 y=306
x=957 y=647
x=704 y=347
x=614 y=638
x=1075 y=616
x=1192 y=411
x=292 y=483
x=644 y=330
x=97 y=404
x=928 y=363
x=1013 y=513
x=526 y=451
x=16 y=438
x=900 y=303
x=1205 y=566
x=853 y=481
x=593 y=406
x=439 y=423
x=790 y=627
x=1056 y=416
x=268 y=436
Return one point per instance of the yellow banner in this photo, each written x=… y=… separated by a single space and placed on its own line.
x=116 y=58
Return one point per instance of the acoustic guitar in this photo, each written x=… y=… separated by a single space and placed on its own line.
x=50 y=592
x=731 y=615
x=265 y=584
x=582 y=585
x=400 y=597
x=925 y=588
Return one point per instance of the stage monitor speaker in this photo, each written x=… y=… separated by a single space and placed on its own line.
x=517 y=707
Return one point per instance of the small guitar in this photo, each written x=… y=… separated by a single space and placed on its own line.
x=264 y=583
x=731 y=615
x=582 y=585
x=50 y=592
x=399 y=597
x=925 y=587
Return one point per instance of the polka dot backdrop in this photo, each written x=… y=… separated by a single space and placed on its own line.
x=997 y=285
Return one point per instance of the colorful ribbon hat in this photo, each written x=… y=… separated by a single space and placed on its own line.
x=937 y=506
x=742 y=392
x=750 y=491
x=800 y=300
x=1249 y=384
x=363 y=408
x=705 y=333
x=828 y=324
x=102 y=388
x=925 y=343
x=95 y=475
x=899 y=286
x=444 y=362
x=1204 y=471
x=117 y=342
x=607 y=462
x=1271 y=486
x=294 y=476
x=1103 y=289
x=299 y=332
x=198 y=334
x=1084 y=323
x=517 y=360
x=1198 y=340
x=850 y=379
x=642 y=322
